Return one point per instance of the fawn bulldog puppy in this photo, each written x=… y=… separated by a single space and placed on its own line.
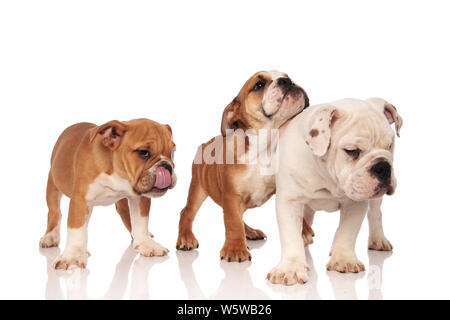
x=335 y=156
x=100 y=165
x=235 y=178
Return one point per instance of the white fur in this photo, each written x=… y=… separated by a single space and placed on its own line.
x=262 y=185
x=262 y=160
x=107 y=189
x=142 y=240
x=272 y=95
x=52 y=238
x=377 y=239
x=292 y=267
x=308 y=182
x=75 y=254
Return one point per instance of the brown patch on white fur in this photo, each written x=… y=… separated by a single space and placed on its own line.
x=346 y=128
x=321 y=121
x=341 y=172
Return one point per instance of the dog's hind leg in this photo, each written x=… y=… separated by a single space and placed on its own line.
x=307 y=231
x=52 y=234
x=124 y=211
x=186 y=239
x=253 y=234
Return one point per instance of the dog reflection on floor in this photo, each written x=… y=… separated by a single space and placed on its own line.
x=375 y=274
x=76 y=280
x=187 y=274
x=237 y=283
x=139 y=289
x=237 y=278
x=53 y=289
x=344 y=285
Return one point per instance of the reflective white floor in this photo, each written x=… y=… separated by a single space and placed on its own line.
x=133 y=274
x=116 y=271
x=415 y=269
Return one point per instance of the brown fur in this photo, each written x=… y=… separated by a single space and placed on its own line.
x=225 y=183
x=236 y=116
x=84 y=151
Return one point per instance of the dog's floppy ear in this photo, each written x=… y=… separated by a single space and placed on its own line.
x=231 y=117
x=168 y=128
x=389 y=111
x=112 y=133
x=319 y=134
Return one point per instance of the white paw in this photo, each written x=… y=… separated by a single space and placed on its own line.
x=72 y=258
x=380 y=243
x=50 y=239
x=150 y=248
x=289 y=274
x=345 y=262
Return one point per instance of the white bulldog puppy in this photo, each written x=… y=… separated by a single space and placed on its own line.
x=334 y=156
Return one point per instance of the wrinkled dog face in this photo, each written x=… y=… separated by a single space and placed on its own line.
x=152 y=157
x=282 y=98
x=143 y=153
x=156 y=180
x=267 y=98
x=360 y=150
x=364 y=158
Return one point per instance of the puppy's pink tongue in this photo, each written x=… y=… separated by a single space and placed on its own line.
x=163 y=179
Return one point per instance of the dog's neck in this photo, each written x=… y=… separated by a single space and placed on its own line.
x=262 y=142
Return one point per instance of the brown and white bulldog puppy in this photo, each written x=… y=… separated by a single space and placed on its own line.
x=235 y=182
x=100 y=165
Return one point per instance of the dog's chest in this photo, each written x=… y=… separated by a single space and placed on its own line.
x=107 y=189
x=257 y=185
x=328 y=205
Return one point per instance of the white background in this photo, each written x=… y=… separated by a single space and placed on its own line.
x=181 y=63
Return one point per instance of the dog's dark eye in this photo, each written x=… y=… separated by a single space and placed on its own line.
x=259 y=85
x=354 y=153
x=144 y=154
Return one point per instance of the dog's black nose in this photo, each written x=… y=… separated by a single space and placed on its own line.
x=284 y=82
x=382 y=171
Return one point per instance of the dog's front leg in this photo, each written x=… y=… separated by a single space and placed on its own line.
x=75 y=254
x=292 y=267
x=377 y=239
x=343 y=256
x=142 y=240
